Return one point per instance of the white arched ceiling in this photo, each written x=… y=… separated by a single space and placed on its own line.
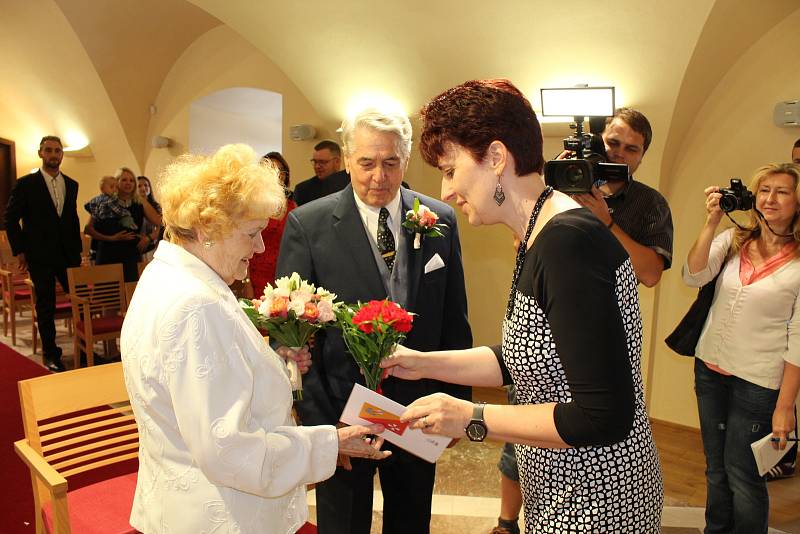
x=733 y=26
x=133 y=45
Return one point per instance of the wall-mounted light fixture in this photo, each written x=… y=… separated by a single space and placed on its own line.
x=76 y=145
x=787 y=113
x=159 y=141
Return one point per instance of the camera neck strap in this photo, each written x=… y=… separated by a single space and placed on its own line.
x=760 y=216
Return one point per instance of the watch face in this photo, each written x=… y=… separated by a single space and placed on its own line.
x=476 y=431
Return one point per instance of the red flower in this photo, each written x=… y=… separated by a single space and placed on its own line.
x=377 y=315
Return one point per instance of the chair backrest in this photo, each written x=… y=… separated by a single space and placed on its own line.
x=102 y=285
x=79 y=420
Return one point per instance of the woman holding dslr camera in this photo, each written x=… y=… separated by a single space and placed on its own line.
x=747 y=366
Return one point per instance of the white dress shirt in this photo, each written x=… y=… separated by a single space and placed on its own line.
x=369 y=216
x=57 y=189
x=219 y=451
x=750 y=330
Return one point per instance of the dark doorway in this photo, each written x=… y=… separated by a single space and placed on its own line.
x=8 y=176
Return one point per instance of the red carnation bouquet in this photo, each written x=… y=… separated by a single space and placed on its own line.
x=371 y=331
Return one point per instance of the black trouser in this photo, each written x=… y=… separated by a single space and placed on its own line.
x=44 y=283
x=344 y=501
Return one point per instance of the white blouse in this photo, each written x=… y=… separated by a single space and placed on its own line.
x=219 y=451
x=750 y=330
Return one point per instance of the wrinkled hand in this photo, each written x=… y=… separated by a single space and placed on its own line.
x=782 y=424
x=301 y=356
x=404 y=363
x=596 y=203
x=712 y=204
x=353 y=442
x=439 y=414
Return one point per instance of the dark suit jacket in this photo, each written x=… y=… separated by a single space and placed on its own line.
x=325 y=242
x=43 y=236
x=314 y=188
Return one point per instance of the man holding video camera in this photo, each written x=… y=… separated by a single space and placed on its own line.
x=636 y=214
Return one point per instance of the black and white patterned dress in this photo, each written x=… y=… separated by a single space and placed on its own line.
x=573 y=337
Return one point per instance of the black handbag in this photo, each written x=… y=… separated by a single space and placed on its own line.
x=684 y=338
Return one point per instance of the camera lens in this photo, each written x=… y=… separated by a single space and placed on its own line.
x=728 y=203
x=573 y=175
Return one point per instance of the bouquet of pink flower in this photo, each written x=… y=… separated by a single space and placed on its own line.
x=291 y=311
x=370 y=332
x=423 y=222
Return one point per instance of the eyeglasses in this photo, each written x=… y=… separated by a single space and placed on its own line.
x=320 y=161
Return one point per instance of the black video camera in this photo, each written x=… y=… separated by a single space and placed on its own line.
x=736 y=197
x=588 y=166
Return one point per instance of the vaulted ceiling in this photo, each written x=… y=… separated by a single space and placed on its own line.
x=663 y=57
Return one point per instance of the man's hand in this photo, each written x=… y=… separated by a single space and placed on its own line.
x=596 y=203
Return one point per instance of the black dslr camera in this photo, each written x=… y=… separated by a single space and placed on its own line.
x=736 y=197
x=588 y=166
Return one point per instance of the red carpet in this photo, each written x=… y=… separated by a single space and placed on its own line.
x=16 y=506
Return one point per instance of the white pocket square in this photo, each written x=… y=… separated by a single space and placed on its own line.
x=434 y=263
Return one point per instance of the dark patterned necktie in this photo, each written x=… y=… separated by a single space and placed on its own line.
x=385 y=239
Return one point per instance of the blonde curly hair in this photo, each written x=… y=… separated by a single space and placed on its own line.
x=213 y=194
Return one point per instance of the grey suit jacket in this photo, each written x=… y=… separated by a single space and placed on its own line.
x=325 y=243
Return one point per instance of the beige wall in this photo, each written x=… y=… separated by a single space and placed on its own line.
x=731 y=136
x=217 y=60
x=52 y=89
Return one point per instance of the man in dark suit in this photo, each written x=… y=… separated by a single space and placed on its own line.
x=352 y=243
x=48 y=240
x=328 y=174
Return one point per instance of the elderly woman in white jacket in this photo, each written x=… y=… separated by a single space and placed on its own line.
x=219 y=450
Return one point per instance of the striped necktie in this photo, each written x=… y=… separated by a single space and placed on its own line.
x=385 y=239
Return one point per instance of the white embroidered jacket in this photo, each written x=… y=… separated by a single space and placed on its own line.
x=219 y=451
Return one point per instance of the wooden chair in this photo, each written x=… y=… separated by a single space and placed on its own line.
x=63 y=311
x=16 y=297
x=86 y=250
x=78 y=421
x=99 y=303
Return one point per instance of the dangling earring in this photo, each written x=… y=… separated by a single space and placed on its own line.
x=208 y=243
x=499 y=196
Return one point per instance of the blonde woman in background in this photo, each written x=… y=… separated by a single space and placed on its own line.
x=747 y=367
x=126 y=247
x=219 y=450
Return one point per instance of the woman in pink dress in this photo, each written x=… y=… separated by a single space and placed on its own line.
x=262 y=266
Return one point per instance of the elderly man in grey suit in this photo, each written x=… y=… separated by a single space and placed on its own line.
x=352 y=243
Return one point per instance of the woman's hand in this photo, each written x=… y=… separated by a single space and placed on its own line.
x=439 y=414
x=301 y=356
x=712 y=205
x=782 y=424
x=404 y=363
x=124 y=235
x=353 y=441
